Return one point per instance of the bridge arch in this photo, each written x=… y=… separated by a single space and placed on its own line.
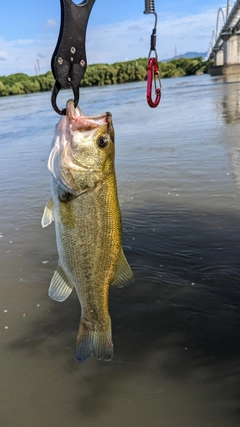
x=221 y=20
x=228 y=8
x=209 y=52
x=214 y=38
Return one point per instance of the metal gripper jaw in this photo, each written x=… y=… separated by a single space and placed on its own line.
x=69 y=61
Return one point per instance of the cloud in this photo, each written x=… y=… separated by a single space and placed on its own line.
x=50 y=23
x=134 y=28
x=189 y=33
x=40 y=56
x=115 y=42
x=21 y=55
x=2 y=58
x=22 y=42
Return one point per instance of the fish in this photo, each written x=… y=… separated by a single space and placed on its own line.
x=85 y=209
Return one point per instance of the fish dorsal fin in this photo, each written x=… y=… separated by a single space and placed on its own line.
x=60 y=286
x=48 y=216
x=124 y=275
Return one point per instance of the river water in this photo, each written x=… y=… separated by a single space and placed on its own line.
x=176 y=328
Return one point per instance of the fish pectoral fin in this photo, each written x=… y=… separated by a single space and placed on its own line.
x=67 y=192
x=48 y=216
x=124 y=275
x=60 y=286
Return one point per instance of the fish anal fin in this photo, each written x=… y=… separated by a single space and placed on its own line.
x=124 y=275
x=93 y=342
x=48 y=214
x=60 y=286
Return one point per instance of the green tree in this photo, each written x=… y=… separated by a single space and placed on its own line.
x=46 y=81
x=16 y=89
x=104 y=74
x=2 y=88
x=30 y=86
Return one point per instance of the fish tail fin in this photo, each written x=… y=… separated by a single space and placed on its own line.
x=92 y=342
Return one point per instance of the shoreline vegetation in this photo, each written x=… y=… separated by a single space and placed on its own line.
x=104 y=74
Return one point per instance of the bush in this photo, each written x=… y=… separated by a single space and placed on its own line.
x=104 y=74
x=16 y=89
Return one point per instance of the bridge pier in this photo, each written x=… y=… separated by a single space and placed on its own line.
x=227 y=60
x=219 y=58
x=231 y=49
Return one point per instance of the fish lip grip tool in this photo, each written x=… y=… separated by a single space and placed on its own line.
x=69 y=60
x=153 y=75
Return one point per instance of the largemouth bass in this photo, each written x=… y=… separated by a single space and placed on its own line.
x=84 y=206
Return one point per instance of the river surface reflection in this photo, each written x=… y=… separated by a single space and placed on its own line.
x=176 y=328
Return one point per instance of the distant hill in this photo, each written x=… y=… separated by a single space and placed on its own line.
x=187 y=55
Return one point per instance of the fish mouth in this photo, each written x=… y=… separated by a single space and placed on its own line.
x=71 y=111
x=82 y=123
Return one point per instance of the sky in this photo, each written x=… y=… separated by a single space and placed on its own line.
x=117 y=31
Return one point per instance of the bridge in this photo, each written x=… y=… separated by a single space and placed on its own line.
x=224 y=47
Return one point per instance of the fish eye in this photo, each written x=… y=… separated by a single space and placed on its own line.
x=102 y=142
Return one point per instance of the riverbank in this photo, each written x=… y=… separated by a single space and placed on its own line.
x=103 y=74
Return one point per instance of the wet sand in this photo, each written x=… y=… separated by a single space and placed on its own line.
x=176 y=328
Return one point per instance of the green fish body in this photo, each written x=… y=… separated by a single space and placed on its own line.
x=85 y=209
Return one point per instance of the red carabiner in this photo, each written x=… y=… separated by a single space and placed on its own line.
x=153 y=75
